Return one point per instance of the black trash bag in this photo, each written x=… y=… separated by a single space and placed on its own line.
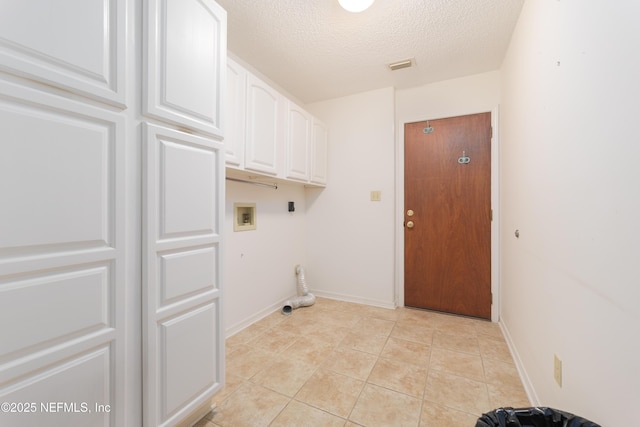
x=532 y=417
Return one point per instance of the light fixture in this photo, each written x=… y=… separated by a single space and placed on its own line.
x=355 y=5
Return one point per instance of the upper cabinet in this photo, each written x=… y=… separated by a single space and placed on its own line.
x=186 y=46
x=298 y=142
x=319 y=146
x=78 y=46
x=269 y=135
x=235 y=114
x=264 y=127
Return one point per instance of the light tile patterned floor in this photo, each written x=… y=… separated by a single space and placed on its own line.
x=344 y=364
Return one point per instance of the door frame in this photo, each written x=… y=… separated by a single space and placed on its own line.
x=495 y=206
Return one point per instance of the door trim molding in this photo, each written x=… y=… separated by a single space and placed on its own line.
x=495 y=206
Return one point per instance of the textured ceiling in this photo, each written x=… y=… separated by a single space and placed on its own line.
x=315 y=50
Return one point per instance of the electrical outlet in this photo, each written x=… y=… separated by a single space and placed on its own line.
x=557 y=369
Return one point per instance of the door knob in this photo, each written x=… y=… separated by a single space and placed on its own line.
x=409 y=224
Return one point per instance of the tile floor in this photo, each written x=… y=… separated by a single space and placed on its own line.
x=344 y=364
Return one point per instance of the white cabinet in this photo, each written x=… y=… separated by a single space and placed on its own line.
x=264 y=127
x=75 y=314
x=298 y=142
x=319 y=147
x=235 y=114
x=186 y=51
x=269 y=135
x=75 y=236
x=63 y=238
x=183 y=200
x=62 y=256
x=78 y=46
x=183 y=208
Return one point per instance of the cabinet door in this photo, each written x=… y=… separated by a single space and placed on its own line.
x=235 y=114
x=78 y=45
x=319 y=153
x=183 y=204
x=62 y=260
x=264 y=126
x=298 y=142
x=185 y=63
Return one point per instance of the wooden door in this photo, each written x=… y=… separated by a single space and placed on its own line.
x=448 y=215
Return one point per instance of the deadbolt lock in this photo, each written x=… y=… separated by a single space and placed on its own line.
x=410 y=212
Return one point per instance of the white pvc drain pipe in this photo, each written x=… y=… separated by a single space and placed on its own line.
x=304 y=298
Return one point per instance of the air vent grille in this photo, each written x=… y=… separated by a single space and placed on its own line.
x=405 y=63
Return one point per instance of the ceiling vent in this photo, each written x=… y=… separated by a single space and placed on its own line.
x=405 y=63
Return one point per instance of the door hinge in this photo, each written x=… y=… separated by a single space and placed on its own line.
x=491 y=215
x=491 y=132
x=491 y=298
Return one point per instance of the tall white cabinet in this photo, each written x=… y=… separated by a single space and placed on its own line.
x=62 y=215
x=183 y=207
x=104 y=103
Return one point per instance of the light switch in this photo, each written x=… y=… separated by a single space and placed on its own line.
x=376 y=196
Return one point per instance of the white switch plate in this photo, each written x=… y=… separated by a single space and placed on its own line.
x=376 y=196
x=557 y=369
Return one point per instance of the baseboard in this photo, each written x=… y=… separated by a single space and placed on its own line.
x=234 y=329
x=199 y=413
x=526 y=381
x=354 y=299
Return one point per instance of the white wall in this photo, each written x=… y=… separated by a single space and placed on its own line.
x=467 y=95
x=259 y=265
x=350 y=239
x=570 y=150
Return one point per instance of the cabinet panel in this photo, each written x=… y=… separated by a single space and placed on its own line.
x=79 y=46
x=62 y=254
x=76 y=392
x=319 y=153
x=235 y=115
x=190 y=358
x=187 y=273
x=45 y=302
x=186 y=63
x=65 y=165
x=182 y=330
x=264 y=126
x=298 y=142
x=184 y=166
